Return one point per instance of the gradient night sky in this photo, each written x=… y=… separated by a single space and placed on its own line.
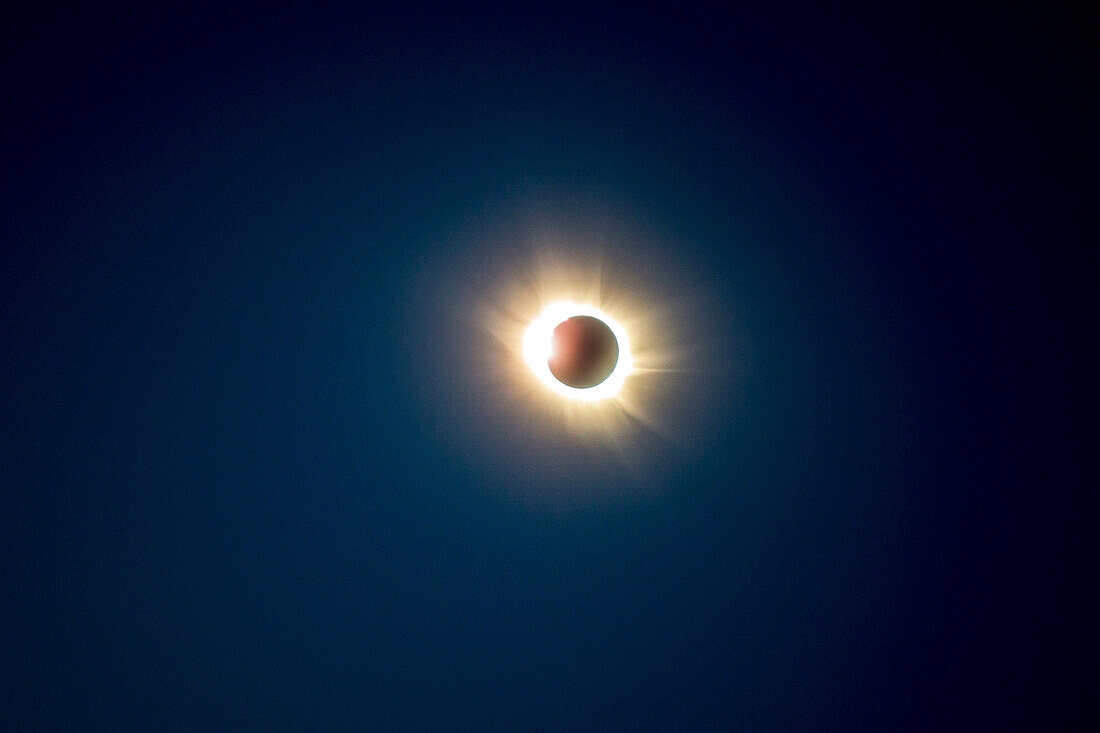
x=224 y=504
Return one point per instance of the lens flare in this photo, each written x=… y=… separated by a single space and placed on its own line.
x=538 y=348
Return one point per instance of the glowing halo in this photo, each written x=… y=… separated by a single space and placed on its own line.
x=479 y=324
x=537 y=345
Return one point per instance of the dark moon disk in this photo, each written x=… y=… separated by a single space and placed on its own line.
x=585 y=352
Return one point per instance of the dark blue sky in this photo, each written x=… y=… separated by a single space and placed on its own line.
x=226 y=504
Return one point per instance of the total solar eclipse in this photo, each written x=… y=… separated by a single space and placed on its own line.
x=578 y=351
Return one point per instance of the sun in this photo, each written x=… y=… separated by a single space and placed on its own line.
x=538 y=348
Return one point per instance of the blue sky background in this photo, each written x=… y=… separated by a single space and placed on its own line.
x=225 y=506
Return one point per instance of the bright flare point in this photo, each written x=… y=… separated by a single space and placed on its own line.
x=578 y=351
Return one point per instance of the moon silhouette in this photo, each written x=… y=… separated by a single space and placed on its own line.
x=584 y=352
